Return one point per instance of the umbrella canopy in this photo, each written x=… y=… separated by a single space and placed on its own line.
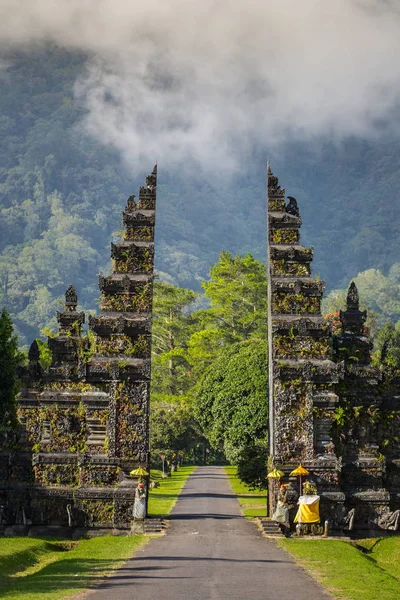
x=299 y=472
x=275 y=474
x=139 y=472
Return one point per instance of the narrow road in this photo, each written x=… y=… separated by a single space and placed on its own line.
x=210 y=552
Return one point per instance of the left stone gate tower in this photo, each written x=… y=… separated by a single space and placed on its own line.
x=84 y=418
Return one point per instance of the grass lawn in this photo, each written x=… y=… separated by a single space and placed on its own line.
x=386 y=553
x=32 y=568
x=253 y=503
x=162 y=499
x=17 y=554
x=347 y=572
x=37 y=568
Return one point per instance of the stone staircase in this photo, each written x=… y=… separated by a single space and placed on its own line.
x=154 y=526
x=269 y=528
x=148 y=526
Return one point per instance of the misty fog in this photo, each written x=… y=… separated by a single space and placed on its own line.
x=207 y=81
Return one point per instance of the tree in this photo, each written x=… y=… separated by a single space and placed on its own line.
x=252 y=466
x=387 y=348
x=187 y=345
x=170 y=332
x=237 y=291
x=10 y=358
x=173 y=427
x=232 y=400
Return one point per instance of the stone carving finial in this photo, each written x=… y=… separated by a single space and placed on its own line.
x=384 y=351
x=131 y=203
x=274 y=190
x=34 y=354
x=353 y=300
x=151 y=180
x=353 y=318
x=69 y=320
x=292 y=207
x=71 y=299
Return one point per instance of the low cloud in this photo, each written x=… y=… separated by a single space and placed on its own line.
x=205 y=82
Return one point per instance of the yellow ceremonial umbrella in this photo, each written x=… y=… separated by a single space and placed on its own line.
x=275 y=474
x=299 y=472
x=139 y=472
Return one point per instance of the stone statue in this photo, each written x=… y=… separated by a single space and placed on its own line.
x=139 y=507
x=281 y=513
x=69 y=513
x=390 y=521
x=292 y=207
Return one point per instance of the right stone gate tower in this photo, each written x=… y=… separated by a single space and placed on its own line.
x=329 y=408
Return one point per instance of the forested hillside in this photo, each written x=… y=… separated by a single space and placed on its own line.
x=62 y=194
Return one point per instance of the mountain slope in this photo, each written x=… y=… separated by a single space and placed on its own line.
x=62 y=195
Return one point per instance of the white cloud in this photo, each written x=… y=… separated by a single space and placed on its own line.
x=184 y=80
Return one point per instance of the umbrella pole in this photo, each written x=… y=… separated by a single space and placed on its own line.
x=300 y=486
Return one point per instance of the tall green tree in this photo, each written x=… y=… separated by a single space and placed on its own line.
x=10 y=358
x=226 y=340
x=173 y=427
x=237 y=291
x=232 y=399
x=387 y=348
x=186 y=343
x=172 y=326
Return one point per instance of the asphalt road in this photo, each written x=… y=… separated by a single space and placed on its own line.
x=210 y=552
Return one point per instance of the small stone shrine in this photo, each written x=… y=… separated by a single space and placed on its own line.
x=84 y=419
x=329 y=408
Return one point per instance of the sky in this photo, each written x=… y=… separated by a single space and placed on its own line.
x=206 y=82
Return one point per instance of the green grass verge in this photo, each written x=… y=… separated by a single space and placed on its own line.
x=33 y=568
x=252 y=512
x=252 y=502
x=163 y=498
x=386 y=553
x=346 y=572
x=17 y=554
x=47 y=572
